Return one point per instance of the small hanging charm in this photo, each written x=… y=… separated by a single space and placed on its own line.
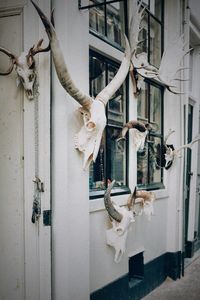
x=36 y=210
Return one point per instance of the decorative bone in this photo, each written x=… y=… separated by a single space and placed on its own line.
x=25 y=66
x=89 y=137
x=140 y=131
x=145 y=199
x=170 y=62
x=171 y=154
x=120 y=219
x=169 y=66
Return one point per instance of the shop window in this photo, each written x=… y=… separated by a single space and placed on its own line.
x=111 y=162
x=106 y=19
x=150 y=100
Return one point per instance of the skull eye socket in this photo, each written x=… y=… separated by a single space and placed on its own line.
x=30 y=78
x=22 y=80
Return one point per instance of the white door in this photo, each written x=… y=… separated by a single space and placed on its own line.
x=25 y=269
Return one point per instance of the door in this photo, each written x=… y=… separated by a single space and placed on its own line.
x=25 y=269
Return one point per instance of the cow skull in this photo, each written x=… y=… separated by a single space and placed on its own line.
x=89 y=137
x=25 y=66
x=121 y=219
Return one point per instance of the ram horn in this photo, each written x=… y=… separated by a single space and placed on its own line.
x=60 y=65
x=113 y=213
x=119 y=78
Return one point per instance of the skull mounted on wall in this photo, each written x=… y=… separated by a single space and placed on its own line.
x=88 y=139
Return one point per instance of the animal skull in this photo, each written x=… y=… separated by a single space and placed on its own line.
x=89 y=137
x=121 y=219
x=139 y=131
x=25 y=66
x=145 y=199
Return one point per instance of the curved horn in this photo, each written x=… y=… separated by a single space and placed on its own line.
x=113 y=213
x=119 y=78
x=133 y=124
x=131 y=199
x=60 y=65
x=13 y=59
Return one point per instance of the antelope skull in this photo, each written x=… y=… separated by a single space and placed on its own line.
x=25 y=66
x=140 y=131
x=89 y=137
x=121 y=219
x=145 y=199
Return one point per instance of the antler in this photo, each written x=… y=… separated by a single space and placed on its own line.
x=13 y=58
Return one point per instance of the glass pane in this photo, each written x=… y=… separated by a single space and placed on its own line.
x=115 y=21
x=142 y=105
x=155 y=108
x=154 y=169
x=142 y=165
x=143 y=35
x=116 y=157
x=97 y=170
x=156 y=8
x=116 y=107
x=97 y=17
x=155 y=42
x=97 y=75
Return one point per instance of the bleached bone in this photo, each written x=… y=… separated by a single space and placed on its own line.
x=172 y=154
x=169 y=66
x=89 y=137
x=25 y=66
x=121 y=219
x=139 y=131
x=145 y=199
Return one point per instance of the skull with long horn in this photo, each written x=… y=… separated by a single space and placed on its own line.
x=121 y=219
x=25 y=66
x=89 y=137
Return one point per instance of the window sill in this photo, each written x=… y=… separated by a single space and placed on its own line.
x=98 y=204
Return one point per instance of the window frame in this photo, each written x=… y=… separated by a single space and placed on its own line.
x=154 y=83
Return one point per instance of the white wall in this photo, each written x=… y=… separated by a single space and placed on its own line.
x=70 y=205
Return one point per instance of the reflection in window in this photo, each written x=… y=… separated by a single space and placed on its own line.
x=150 y=109
x=107 y=20
x=111 y=161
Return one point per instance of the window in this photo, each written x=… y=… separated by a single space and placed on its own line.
x=111 y=161
x=150 y=101
x=107 y=20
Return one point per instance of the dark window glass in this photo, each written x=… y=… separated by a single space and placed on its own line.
x=111 y=161
x=107 y=20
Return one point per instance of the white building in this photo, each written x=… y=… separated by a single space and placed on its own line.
x=69 y=258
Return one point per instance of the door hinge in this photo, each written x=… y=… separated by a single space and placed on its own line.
x=47 y=217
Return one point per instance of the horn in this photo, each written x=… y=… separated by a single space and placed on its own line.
x=60 y=65
x=113 y=213
x=131 y=199
x=13 y=59
x=119 y=78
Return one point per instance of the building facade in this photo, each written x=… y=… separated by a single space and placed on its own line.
x=53 y=217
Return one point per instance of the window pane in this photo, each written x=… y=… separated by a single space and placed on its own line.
x=143 y=35
x=142 y=165
x=155 y=42
x=116 y=105
x=115 y=21
x=142 y=106
x=154 y=169
x=156 y=8
x=155 y=108
x=116 y=157
x=97 y=75
x=97 y=17
x=97 y=170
